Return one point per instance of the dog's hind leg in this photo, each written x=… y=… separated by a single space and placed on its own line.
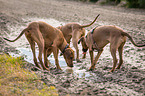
x=75 y=39
x=38 y=38
x=113 y=49
x=41 y=50
x=32 y=45
x=120 y=50
x=77 y=50
x=92 y=60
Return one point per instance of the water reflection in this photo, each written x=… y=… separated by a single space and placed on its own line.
x=28 y=56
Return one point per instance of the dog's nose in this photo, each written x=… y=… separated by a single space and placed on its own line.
x=71 y=66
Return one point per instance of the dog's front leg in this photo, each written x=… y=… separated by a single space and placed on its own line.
x=45 y=57
x=97 y=57
x=49 y=51
x=92 y=60
x=84 y=56
x=55 y=52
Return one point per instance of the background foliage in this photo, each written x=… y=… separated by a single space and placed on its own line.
x=129 y=3
x=136 y=3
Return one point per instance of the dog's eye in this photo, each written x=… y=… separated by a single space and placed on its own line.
x=71 y=57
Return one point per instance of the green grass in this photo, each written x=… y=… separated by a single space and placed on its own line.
x=15 y=80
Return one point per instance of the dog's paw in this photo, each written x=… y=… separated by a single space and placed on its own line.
x=46 y=69
x=46 y=66
x=58 y=68
x=91 y=69
x=112 y=70
x=78 y=61
x=117 y=67
x=35 y=68
x=37 y=65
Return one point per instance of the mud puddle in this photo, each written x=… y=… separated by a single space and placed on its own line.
x=135 y=54
x=129 y=80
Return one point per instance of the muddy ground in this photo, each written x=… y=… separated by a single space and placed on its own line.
x=129 y=80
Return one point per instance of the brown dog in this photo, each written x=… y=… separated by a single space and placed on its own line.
x=75 y=31
x=99 y=37
x=48 y=39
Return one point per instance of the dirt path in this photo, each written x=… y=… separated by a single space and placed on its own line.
x=129 y=80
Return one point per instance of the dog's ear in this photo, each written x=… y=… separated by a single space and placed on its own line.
x=52 y=45
x=61 y=54
x=80 y=39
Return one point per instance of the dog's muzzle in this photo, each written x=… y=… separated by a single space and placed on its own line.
x=71 y=66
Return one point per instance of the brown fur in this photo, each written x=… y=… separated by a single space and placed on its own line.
x=102 y=36
x=75 y=31
x=48 y=39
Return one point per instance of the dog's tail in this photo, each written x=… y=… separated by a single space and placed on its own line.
x=83 y=26
x=18 y=36
x=130 y=38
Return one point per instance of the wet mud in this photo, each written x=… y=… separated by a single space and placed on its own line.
x=78 y=81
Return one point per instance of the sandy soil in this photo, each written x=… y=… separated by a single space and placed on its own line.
x=129 y=80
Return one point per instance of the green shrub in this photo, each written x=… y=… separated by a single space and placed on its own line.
x=141 y=3
x=136 y=3
x=93 y=0
x=114 y=2
x=130 y=3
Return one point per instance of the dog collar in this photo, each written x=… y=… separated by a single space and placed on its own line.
x=97 y=48
x=64 y=49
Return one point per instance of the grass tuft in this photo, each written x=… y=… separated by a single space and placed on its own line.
x=16 y=81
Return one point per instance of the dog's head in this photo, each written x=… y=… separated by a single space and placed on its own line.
x=69 y=56
x=84 y=45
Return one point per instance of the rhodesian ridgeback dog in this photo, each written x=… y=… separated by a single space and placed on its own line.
x=48 y=39
x=75 y=31
x=99 y=37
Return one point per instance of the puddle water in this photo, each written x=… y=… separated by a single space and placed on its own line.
x=23 y=46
